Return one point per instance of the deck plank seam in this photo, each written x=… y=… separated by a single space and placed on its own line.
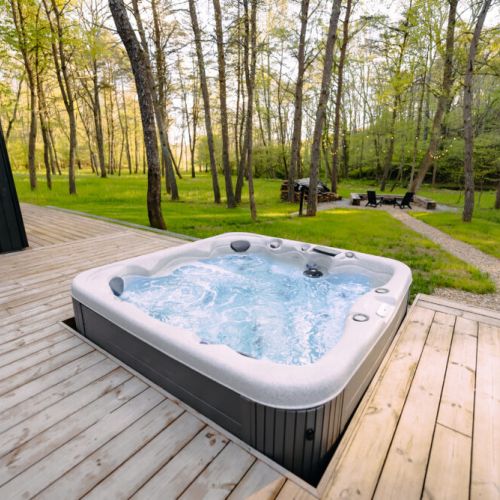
x=73 y=361
x=23 y=443
x=53 y=450
x=190 y=440
x=402 y=408
x=40 y=363
x=202 y=470
x=437 y=411
x=38 y=350
x=111 y=438
x=472 y=437
x=347 y=438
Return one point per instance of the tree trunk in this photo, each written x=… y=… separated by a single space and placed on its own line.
x=195 y=117
x=418 y=127
x=98 y=119
x=338 y=97
x=125 y=132
x=136 y=143
x=32 y=134
x=298 y=97
x=321 y=109
x=42 y=112
x=442 y=100
x=468 y=128
x=251 y=47
x=231 y=203
x=14 y=112
x=158 y=92
x=25 y=47
x=54 y=150
x=396 y=103
x=143 y=86
x=64 y=79
x=206 y=99
x=72 y=149
x=345 y=149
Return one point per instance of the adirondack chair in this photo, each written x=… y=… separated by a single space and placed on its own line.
x=372 y=199
x=405 y=202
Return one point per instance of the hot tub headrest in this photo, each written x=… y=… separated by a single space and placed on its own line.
x=116 y=284
x=240 y=245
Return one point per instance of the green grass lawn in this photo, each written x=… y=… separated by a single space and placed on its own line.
x=196 y=215
x=484 y=230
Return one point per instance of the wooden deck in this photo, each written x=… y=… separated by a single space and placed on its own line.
x=75 y=423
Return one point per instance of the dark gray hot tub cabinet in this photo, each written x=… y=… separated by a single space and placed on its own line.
x=300 y=440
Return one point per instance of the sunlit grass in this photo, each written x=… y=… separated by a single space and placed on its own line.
x=483 y=232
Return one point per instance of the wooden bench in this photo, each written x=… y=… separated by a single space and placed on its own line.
x=356 y=199
x=426 y=203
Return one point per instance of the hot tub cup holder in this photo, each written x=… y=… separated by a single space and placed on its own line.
x=360 y=317
x=275 y=244
x=381 y=290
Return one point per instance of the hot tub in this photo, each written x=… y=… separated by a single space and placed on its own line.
x=275 y=340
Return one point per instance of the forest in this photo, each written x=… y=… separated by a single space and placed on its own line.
x=401 y=93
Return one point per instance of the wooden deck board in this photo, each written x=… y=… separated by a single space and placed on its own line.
x=75 y=423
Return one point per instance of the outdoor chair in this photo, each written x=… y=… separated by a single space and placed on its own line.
x=405 y=202
x=372 y=199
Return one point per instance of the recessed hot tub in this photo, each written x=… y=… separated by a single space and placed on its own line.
x=274 y=340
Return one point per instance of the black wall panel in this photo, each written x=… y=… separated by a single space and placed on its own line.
x=12 y=233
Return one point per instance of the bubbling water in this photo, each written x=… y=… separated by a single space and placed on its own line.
x=257 y=305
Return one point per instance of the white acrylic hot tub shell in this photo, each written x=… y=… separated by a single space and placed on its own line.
x=265 y=382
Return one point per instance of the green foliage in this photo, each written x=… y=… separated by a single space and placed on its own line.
x=269 y=161
x=202 y=154
x=485 y=157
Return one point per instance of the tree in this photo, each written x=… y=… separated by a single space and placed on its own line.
x=443 y=100
x=221 y=64
x=40 y=66
x=321 y=109
x=338 y=96
x=250 y=63
x=298 y=98
x=159 y=92
x=25 y=16
x=62 y=53
x=143 y=87
x=206 y=98
x=94 y=30
x=468 y=129
x=398 y=88
x=13 y=118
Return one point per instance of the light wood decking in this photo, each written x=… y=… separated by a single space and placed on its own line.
x=74 y=422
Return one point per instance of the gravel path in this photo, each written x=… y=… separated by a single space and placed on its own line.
x=485 y=263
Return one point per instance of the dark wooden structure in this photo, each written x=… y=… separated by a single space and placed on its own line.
x=322 y=197
x=12 y=233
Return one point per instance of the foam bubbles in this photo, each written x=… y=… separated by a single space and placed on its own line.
x=256 y=304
